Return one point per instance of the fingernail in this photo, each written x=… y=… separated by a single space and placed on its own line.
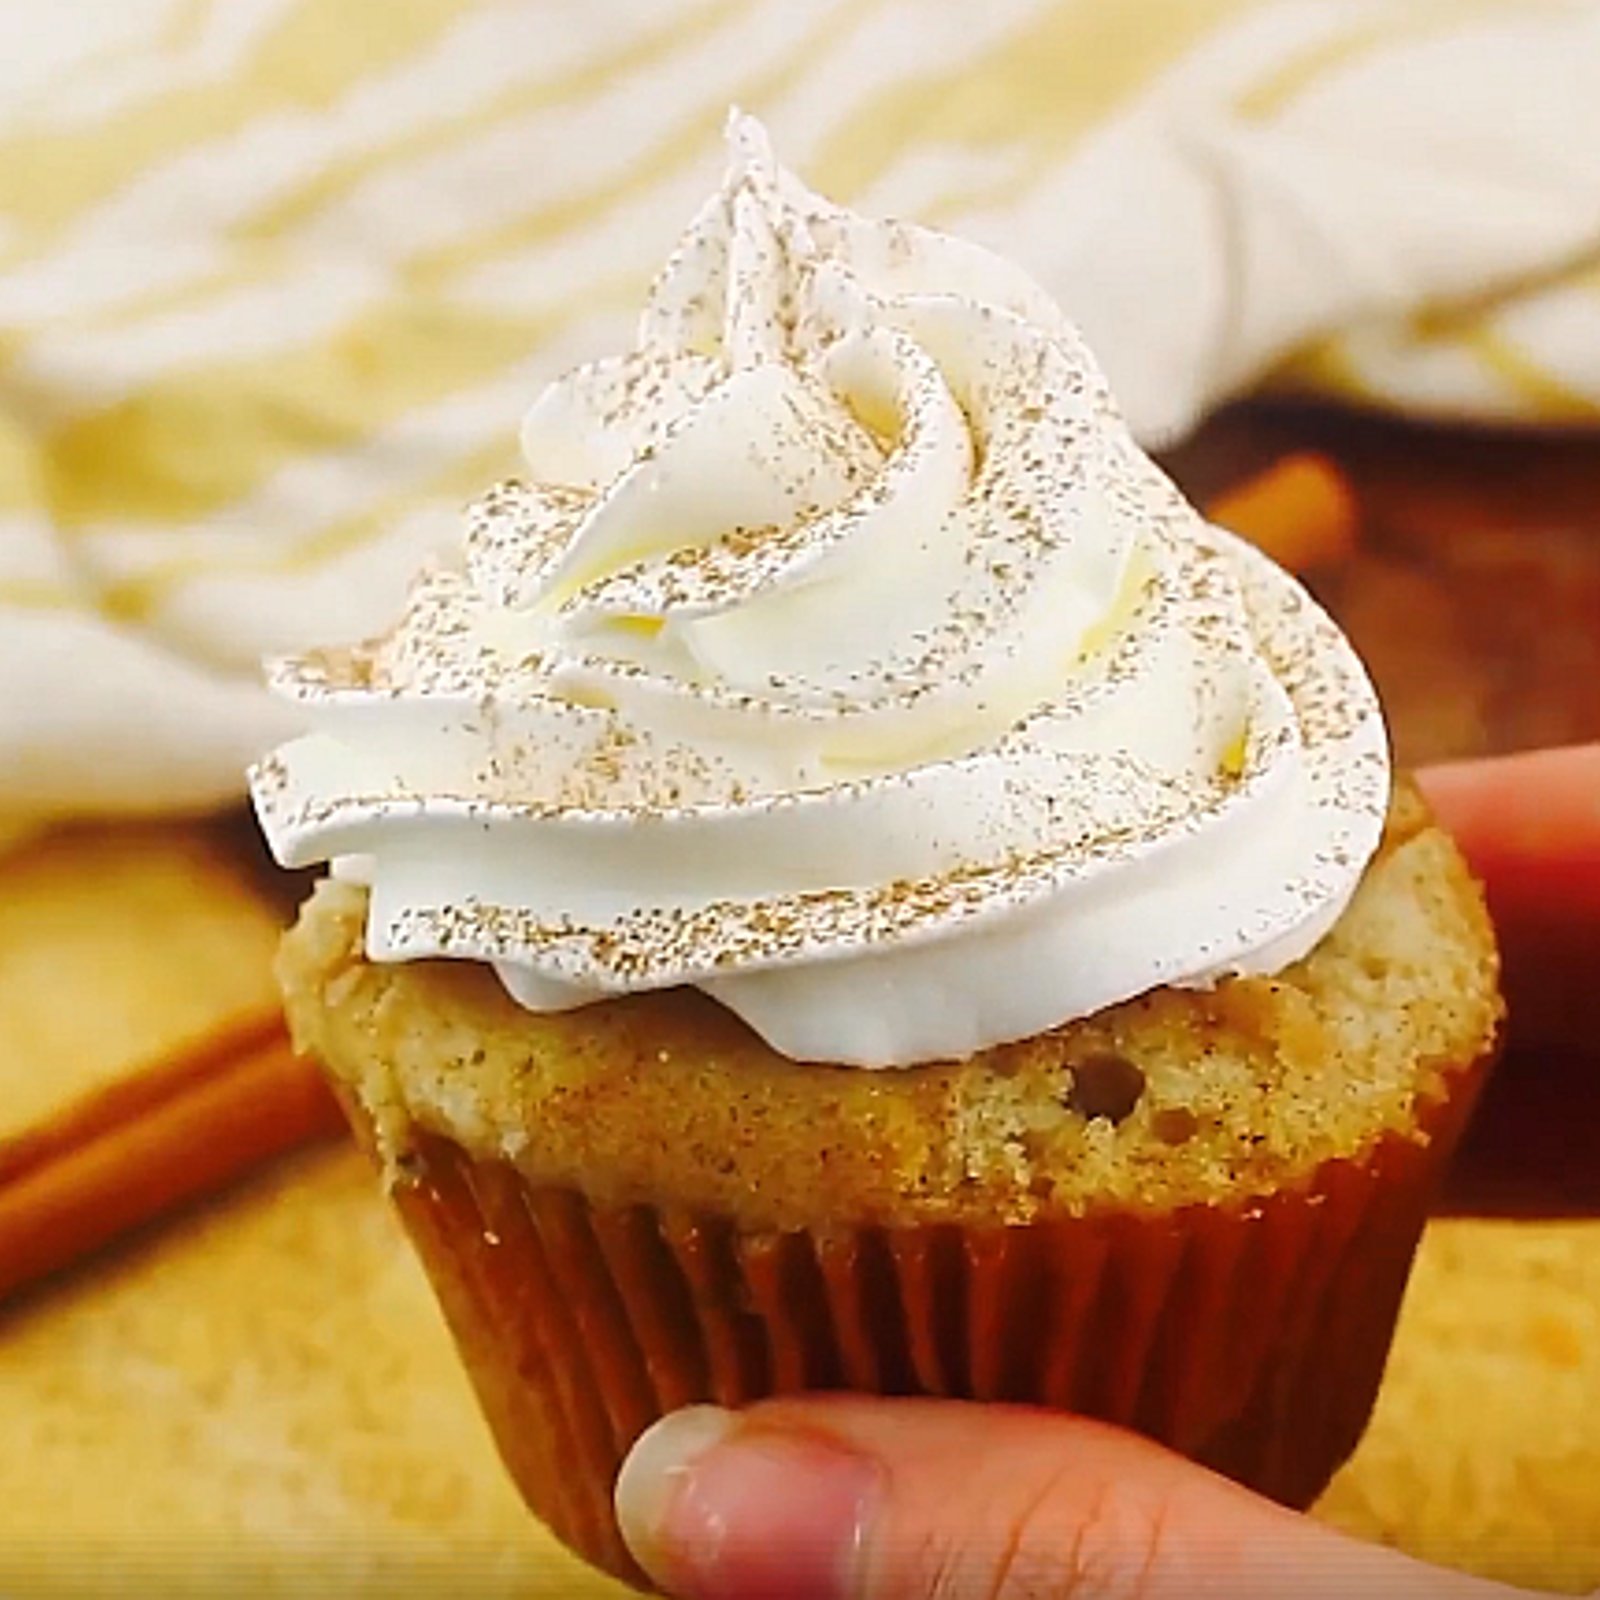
x=657 y=1470
x=714 y=1506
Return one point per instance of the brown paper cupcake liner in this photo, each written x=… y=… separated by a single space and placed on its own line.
x=1250 y=1337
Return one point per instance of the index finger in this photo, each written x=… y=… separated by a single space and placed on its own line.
x=1530 y=827
x=1529 y=824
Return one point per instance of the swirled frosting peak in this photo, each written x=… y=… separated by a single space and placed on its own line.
x=840 y=654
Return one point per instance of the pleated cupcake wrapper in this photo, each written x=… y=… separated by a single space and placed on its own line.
x=1250 y=1337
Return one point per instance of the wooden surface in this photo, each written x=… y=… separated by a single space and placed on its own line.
x=259 y=1397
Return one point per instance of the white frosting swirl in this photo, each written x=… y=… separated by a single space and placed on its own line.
x=845 y=657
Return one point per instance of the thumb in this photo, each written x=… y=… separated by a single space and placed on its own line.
x=860 y=1499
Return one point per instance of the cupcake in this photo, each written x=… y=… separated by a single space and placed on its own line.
x=851 y=883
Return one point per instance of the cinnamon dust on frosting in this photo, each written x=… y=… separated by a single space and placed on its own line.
x=841 y=654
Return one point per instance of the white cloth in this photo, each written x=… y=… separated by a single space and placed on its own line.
x=277 y=277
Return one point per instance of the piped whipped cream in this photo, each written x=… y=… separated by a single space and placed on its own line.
x=842 y=655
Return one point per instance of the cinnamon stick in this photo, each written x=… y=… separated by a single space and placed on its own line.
x=1300 y=511
x=121 y=1172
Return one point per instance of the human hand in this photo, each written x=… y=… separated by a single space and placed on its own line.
x=1530 y=825
x=853 y=1498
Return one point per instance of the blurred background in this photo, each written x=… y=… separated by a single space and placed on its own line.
x=277 y=280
